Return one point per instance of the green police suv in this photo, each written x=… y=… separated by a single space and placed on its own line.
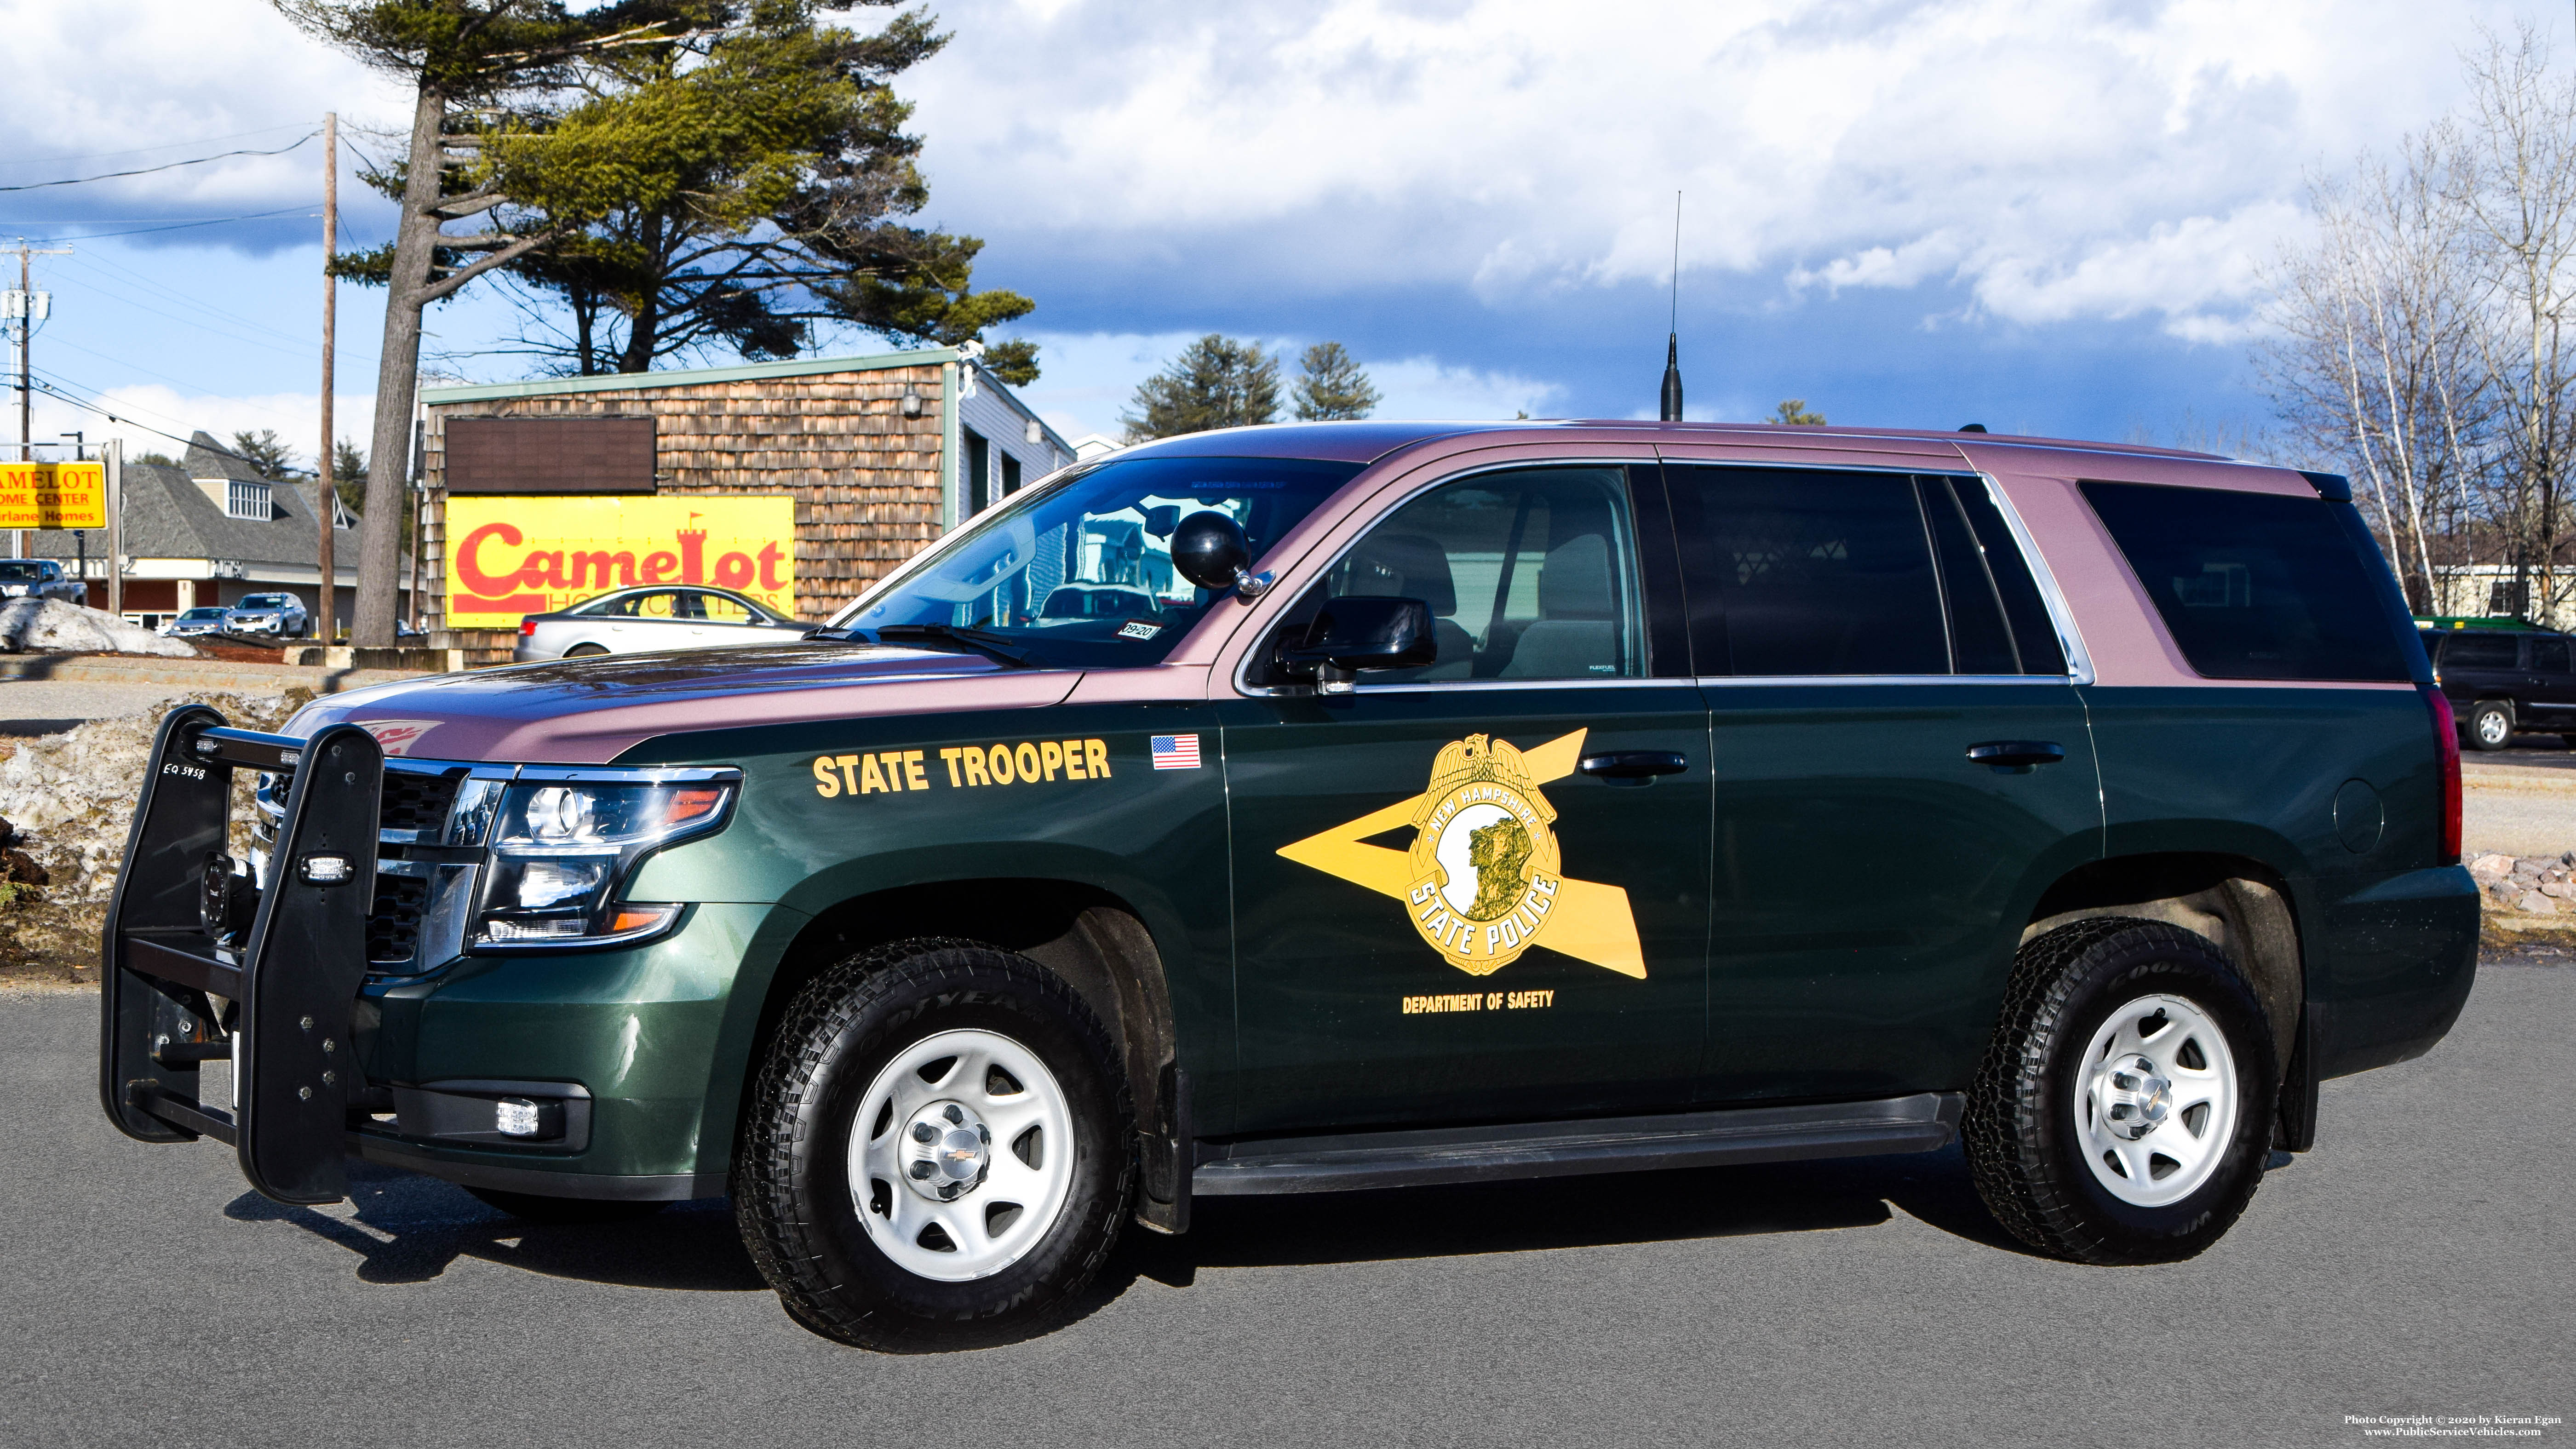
x=1318 y=808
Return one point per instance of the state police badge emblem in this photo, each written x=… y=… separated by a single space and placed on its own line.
x=1482 y=881
x=1485 y=869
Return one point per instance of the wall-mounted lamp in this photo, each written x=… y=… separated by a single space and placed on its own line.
x=911 y=402
x=1033 y=432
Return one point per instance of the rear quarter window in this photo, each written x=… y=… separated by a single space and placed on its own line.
x=2254 y=585
x=2481 y=651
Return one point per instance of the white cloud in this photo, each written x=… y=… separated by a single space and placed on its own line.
x=2061 y=159
x=100 y=86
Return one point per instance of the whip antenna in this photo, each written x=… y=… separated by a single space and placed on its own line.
x=1672 y=409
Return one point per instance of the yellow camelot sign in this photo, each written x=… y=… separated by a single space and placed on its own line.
x=53 y=495
x=512 y=556
x=1481 y=881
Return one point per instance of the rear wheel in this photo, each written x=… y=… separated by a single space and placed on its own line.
x=938 y=1149
x=2490 y=724
x=2123 y=1113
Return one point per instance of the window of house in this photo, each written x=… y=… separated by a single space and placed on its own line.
x=2509 y=597
x=1010 y=475
x=247 y=498
x=979 y=470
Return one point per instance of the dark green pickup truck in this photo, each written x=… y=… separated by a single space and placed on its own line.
x=1427 y=804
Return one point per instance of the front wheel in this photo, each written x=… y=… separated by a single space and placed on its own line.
x=585 y=651
x=938 y=1149
x=2123 y=1113
x=2490 y=724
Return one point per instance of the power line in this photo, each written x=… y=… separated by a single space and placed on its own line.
x=47 y=387
x=167 y=166
x=142 y=150
x=173 y=226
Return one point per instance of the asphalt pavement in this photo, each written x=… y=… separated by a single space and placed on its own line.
x=2420 y=1261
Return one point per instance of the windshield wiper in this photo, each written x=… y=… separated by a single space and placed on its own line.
x=982 y=641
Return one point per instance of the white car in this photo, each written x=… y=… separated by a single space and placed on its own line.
x=637 y=621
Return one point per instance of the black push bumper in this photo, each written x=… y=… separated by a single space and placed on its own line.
x=187 y=980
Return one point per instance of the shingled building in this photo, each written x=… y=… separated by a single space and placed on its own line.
x=879 y=455
x=207 y=530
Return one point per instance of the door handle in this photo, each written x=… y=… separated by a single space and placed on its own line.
x=1638 y=765
x=2017 y=755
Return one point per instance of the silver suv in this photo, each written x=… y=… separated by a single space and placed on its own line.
x=279 y=614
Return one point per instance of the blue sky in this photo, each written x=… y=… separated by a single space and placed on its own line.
x=2045 y=215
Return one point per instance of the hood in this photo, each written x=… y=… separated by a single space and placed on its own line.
x=590 y=711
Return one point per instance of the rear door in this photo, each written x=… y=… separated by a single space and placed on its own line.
x=1463 y=892
x=2552 y=684
x=1901 y=765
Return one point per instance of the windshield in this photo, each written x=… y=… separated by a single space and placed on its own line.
x=17 y=572
x=1078 y=573
x=209 y=613
x=262 y=601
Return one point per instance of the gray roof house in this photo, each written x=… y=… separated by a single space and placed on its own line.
x=209 y=530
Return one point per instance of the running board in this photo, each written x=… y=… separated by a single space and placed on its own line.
x=1924 y=1122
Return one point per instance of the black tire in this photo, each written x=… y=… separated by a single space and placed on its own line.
x=584 y=651
x=530 y=1207
x=791 y=1178
x=2489 y=725
x=2023 y=1141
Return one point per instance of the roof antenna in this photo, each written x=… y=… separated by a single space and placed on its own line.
x=1673 y=338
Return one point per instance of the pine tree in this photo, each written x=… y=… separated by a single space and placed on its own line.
x=1331 y=386
x=265 y=452
x=349 y=476
x=1216 y=382
x=1794 y=413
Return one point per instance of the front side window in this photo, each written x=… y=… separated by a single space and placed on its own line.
x=1530 y=574
x=1077 y=573
x=721 y=609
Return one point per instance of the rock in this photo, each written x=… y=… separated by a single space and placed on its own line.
x=2488 y=869
x=2534 y=903
x=8 y=832
x=20 y=867
x=2558 y=890
x=50 y=626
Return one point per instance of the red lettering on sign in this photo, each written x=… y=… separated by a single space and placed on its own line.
x=733 y=571
x=657 y=567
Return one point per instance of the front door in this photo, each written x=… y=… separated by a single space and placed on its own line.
x=1901 y=765
x=1477 y=890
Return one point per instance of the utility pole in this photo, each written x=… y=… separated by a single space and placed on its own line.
x=326 y=497
x=115 y=451
x=27 y=307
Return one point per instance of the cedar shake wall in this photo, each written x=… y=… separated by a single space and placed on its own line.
x=866 y=479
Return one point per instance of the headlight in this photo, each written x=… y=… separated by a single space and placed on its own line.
x=561 y=849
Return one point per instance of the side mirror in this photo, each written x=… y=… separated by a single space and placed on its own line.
x=1209 y=550
x=1361 y=632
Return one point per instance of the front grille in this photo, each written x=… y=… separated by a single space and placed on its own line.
x=393 y=925
x=415 y=801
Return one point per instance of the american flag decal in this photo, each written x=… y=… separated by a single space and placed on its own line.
x=1176 y=752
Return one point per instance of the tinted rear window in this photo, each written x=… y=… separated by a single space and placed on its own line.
x=2254 y=585
x=2481 y=651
